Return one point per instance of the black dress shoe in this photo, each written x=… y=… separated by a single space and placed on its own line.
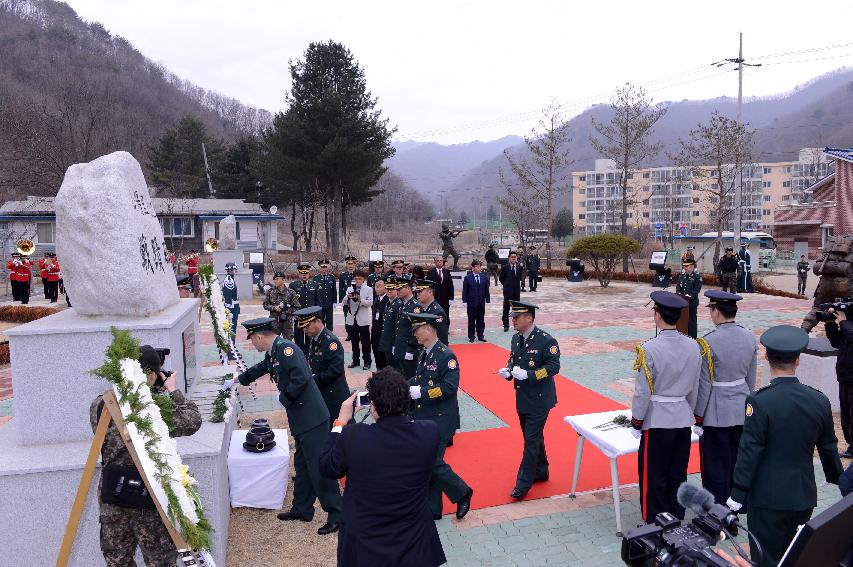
x=327 y=528
x=450 y=442
x=518 y=493
x=470 y=340
x=482 y=340
x=436 y=517
x=353 y=365
x=464 y=505
x=287 y=516
x=506 y=329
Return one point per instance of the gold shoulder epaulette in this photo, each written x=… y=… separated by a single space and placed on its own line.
x=640 y=363
x=705 y=351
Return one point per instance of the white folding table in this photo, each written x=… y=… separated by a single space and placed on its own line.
x=258 y=480
x=612 y=442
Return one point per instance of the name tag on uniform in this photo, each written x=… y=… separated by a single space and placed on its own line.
x=432 y=367
x=532 y=351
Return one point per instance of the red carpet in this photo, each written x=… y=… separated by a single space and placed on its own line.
x=488 y=460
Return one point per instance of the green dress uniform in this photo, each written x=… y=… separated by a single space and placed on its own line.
x=437 y=376
x=435 y=309
x=774 y=474
x=307 y=293
x=326 y=294
x=389 y=331
x=326 y=357
x=405 y=345
x=689 y=285
x=307 y=417
x=539 y=354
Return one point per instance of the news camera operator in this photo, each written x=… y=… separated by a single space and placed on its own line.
x=839 y=331
x=128 y=516
x=388 y=465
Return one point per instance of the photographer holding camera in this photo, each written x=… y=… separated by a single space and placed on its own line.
x=388 y=465
x=359 y=300
x=128 y=516
x=839 y=331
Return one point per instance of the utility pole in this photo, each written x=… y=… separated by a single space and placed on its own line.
x=207 y=171
x=738 y=199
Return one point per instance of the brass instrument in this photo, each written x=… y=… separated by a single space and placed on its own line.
x=25 y=247
x=211 y=245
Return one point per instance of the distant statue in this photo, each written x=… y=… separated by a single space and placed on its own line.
x=447 y=248
x=835 y=269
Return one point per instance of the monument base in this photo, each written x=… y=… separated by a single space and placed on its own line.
x=52 y=360
x=815 y=371
x=38 y=485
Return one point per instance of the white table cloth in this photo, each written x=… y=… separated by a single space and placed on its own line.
x=612 y=442
x=258 y=480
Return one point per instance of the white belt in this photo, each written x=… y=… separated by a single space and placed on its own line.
x=668 y=399
x=731 y=384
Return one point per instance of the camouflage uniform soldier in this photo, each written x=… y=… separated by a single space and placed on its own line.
x=802 y=274
x=728 y=270
x=128 y=521
x=281 y=302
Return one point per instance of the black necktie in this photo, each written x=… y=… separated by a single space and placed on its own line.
x=477 y=279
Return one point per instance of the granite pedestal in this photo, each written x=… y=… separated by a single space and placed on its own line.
x=52 y=359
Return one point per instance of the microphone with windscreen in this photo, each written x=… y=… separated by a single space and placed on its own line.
x=701 y=502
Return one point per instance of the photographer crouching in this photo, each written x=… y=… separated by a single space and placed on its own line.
x=388 y=465
x=839 y=331
x=127 y=513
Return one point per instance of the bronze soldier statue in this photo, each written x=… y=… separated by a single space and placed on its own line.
x=835 y=269
x=447 y=248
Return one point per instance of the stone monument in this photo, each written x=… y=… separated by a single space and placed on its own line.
x=228 y=253
x=112 y=247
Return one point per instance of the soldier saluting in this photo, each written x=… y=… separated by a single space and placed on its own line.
x=689 y=285
x=433 y=391
x=728 y=377
x=662 y=409
x=533 y=362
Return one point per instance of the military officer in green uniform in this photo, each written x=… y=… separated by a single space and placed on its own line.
x=378 y=269
x=405 y=345
x=426 y=297
x=307 y=417
x=307 y=292
x=433 y=391
x=533 y=362
x=326 y=293
x=689 y=285
x=325 y=357
x=389 y=322
x=774 y=474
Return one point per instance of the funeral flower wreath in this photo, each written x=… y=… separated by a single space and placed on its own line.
x=148 y=419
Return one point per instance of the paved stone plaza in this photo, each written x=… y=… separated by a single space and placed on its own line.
x=597 y=330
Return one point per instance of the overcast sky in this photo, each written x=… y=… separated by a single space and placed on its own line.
x=454 y=72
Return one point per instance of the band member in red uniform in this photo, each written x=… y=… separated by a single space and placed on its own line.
x=53 y=274
x=12 y=266
x=192 y=271
x=43 y=273
x=24 y=272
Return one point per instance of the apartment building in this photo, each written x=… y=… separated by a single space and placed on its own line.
x=676 y=200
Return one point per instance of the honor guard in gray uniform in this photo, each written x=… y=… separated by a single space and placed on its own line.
x=426 y=297
x=689 y=285
x=433 y=390
x=728 y=376
x=326 y=358
x=405 y=345
x=389 y=322
x=307 y=292
x=326 y=292
x=667 y=385
x=307 y=417
x=533 y=362
x=774 y=474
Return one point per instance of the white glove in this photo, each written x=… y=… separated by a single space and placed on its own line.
x=733 y=506
x=228 y=384
x=414 y=392
x=697 y=429
x=504 y=373
x=451 y=301
x=519 y=373
x=410 y=356
x=637 y=433
x=392 y=351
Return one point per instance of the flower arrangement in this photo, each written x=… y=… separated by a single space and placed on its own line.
x=221 y=407
x=158 y=453
x=214 y=304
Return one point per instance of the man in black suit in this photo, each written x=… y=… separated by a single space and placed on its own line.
x=380 y=302
x=475 y=296
x=444 y=292
x=511 y=278
x=388 y=465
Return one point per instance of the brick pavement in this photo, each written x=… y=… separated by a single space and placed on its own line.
x=597 y=330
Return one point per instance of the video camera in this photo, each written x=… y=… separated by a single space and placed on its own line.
x=825 y=310
x=669 y=542
x=356 y=295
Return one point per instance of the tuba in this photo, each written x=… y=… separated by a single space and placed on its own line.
x=211 y=245
x=25 y=247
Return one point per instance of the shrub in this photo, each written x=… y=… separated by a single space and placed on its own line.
x=603 y=251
